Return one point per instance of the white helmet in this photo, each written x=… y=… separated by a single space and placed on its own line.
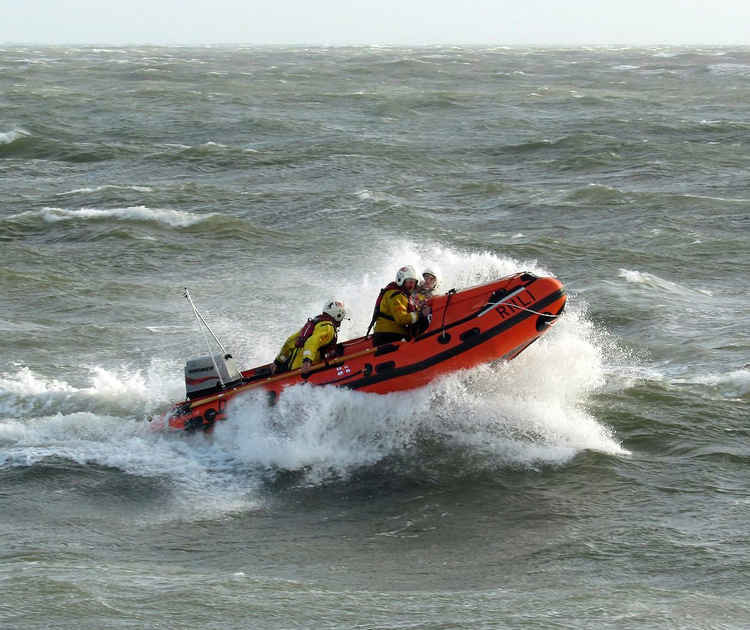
x=404 y=274
x=429 y=271
x=335 y=309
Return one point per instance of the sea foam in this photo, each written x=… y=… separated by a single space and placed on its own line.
x=526 y=414
x=172 y=218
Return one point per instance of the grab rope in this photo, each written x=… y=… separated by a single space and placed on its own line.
x=550 y=315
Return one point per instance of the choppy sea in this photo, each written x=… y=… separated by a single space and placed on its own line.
x=600 y=480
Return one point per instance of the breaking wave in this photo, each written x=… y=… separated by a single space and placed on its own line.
x=95 y=189
x=9 y=137
x=522 y=415
x=732 y=385
x=653 y=281
x=165 y=216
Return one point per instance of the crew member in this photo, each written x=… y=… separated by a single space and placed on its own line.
x=425 y=289
x=313 y=342
x=395 y=316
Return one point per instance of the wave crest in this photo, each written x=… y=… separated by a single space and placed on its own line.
x=165 y=216
x=9 y=137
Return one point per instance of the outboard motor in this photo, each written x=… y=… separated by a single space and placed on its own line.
x=201 y=378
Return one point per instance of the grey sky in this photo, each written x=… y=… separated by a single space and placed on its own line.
x=536 y=22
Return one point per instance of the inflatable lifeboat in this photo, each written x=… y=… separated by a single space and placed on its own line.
x=496 y=320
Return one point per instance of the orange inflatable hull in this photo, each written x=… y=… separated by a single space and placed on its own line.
x=496 y=320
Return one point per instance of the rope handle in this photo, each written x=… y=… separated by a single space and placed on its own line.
x=530 y=310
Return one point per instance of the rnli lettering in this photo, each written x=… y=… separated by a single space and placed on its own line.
x=522 y=300
x=502 y=312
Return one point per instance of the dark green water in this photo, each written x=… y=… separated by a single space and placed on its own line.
x=598 y=481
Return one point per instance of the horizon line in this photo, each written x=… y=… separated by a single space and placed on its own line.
x=90 y=44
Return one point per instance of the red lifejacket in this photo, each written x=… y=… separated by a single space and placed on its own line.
x=307 y=330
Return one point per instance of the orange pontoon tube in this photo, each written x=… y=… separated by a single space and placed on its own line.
x=496 y=320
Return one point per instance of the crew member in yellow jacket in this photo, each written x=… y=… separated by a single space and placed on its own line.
x=395 y=316
x=313 y=341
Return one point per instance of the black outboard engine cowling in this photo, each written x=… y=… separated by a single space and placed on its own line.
x=201 y=378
